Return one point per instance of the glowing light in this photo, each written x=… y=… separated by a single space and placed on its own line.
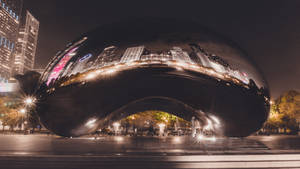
x=193 y=66
x=182 y=64
x=85 y=57
x=60 y=66
x=161 y=125
x=91 y=75
x=91 y=123
x=119 y=139
x=130 y=63
x=22 y=111
x=200 y=137
x=215 y=119
x=116 y=124
x=177 y=140
x=213 y=139
x=117 y=66
x=29 y=101
x=99 y=71
x=179 y=68
x=110 y=71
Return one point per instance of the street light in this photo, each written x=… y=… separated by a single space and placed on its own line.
x=22 y=111
x=116 y=127
x=29 y=101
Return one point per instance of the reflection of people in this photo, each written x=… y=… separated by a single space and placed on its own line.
x=176 y=125
x=193 y=127
x=135 y=131
x=151 y=129
x=197 y=125
x=127 y=125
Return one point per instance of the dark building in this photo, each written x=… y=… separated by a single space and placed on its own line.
x=107 y=56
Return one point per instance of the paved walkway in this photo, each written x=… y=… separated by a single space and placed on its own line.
x=41 y=151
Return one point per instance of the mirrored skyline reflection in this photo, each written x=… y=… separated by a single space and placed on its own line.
x=185 y=56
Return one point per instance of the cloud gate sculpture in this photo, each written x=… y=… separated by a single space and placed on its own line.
x=173 y=66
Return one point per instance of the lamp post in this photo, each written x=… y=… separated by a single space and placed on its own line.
x=28 y=102
x=22 y=112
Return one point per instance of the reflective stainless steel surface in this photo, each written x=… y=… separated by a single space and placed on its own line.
x=178 y=67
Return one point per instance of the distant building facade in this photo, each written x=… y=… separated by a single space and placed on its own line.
x=15 y=5
x=26 y=44
x=106 y=56
x=132 y=54
x=9 y=27
x=179 y=54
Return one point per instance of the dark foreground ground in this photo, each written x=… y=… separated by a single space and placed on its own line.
x=41 y=151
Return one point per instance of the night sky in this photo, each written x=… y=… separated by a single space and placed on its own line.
x=268 y=30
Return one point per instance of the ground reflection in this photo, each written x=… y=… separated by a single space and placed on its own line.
x=147 y=145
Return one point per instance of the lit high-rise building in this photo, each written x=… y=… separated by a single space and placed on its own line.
x=202 y=57
x=15 y=5
x=9 y=26
x=133 y=54
x=179 y=54
x=106 y=56
x=26 y=44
